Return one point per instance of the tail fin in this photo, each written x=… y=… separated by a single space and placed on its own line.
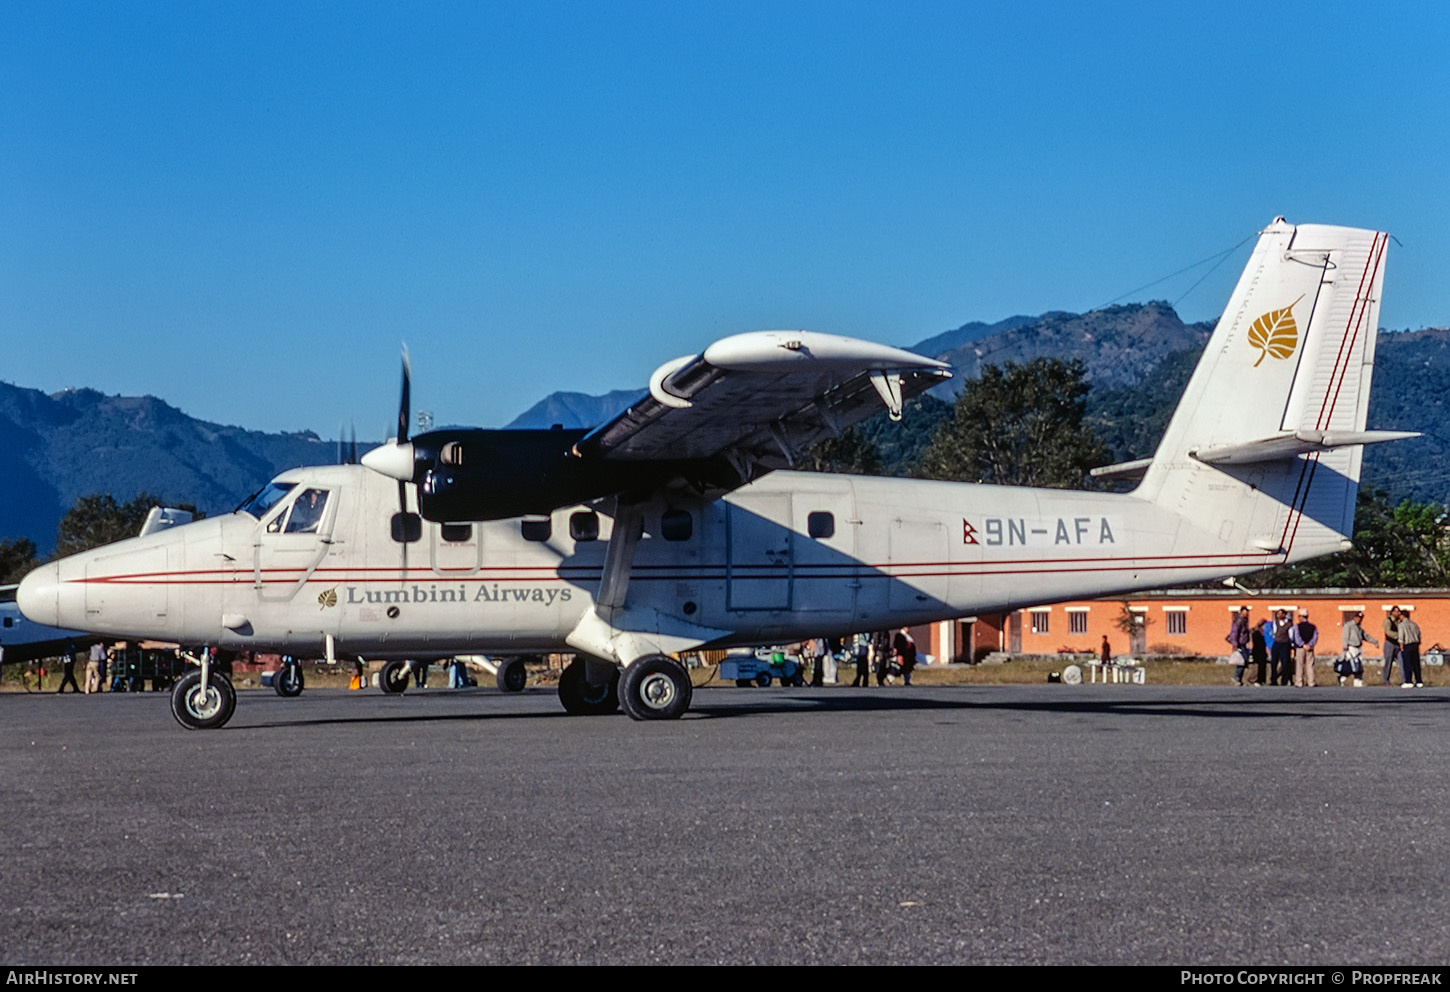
x=1265 y=447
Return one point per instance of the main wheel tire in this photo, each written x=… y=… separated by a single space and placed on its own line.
x=512 y=675
x=655 y=687
x=583 y=698
x=288 y=681
x=393 y=679
x=198 y=708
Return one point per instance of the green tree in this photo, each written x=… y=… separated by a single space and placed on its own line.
x=852 y=453
x=16 y=558
x=1019 y=425
x=98 y=519
x=1395 y=546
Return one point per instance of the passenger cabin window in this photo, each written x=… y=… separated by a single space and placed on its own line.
x=536 y=528
x=406 y=527
x=821 y=524
x=307 y=512
x=676 y=525
x=456 y=533
x=584 y=525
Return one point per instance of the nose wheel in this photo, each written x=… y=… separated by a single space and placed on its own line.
x=203 y=707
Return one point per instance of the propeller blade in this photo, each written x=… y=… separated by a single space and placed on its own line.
x=404 y=411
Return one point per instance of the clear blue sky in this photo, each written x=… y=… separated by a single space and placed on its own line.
x=243 y=208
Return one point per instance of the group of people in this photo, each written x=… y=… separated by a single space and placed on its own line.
x=886 y=654
x=1281 y=650
x=98 y=660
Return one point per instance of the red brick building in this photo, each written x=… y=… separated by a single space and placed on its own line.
x=1175 y=622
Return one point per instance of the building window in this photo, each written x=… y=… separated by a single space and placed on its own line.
x=1077 y=622
x=1039 y=621
x=1176 y=621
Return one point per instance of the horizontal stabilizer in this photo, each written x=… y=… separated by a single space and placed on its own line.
x=1291 y=444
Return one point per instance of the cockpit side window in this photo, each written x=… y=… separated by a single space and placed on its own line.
x=307 y=512
x=264 y=499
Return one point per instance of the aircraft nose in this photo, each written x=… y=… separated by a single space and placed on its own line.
x=39 y=595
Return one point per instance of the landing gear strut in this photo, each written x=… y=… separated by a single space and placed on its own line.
x=656 y=687
x=584 y=698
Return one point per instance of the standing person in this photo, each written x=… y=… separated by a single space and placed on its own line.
x=861 y=652
x=1282 y=652
x=1304 y=636
x=881 y=654
x=1239 y=640
x=1392 y=644
x=420 y=675
x=1352 y=639
x=1410 y=653
x=1257 y=673
x=68 y=668
x=905 y=648
x=1105 y=654
x=94 y=676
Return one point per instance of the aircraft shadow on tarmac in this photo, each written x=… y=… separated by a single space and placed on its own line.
x=745 y=703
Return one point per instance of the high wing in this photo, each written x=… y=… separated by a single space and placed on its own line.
x=762 y=399
x=746 y=405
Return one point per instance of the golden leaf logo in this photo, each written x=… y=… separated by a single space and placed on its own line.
x=328 y=598
x=1275 y=333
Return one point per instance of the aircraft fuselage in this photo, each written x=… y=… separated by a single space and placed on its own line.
x=790 y=556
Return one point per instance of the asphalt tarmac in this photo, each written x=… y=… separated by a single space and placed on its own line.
x=985 y=824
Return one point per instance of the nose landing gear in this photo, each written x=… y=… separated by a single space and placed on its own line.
x=199 y=705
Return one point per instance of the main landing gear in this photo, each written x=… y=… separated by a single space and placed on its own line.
x=656 y=687
x=580 y=696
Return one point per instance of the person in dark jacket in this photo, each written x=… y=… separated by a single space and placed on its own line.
x=905 y=649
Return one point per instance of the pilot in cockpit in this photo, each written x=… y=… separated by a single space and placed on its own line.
x=307 y=512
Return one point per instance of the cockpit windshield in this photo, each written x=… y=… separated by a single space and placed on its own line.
x=264 y=499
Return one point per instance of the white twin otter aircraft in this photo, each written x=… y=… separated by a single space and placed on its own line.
x=677 y=524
